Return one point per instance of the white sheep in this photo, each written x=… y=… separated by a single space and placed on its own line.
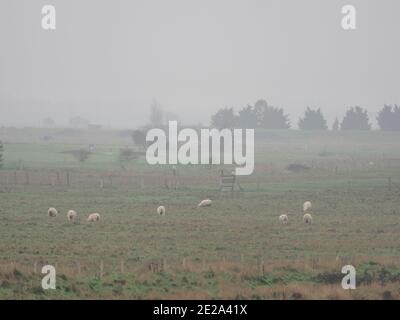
x=71 y=215
x=161 y=210
x=93 y=217
x=307 y=206
x=52 y=212
x=283 y=218
x=205 y=203
x=307 y=218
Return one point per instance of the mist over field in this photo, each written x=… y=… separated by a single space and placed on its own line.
x=187 y=149
x=107 y=61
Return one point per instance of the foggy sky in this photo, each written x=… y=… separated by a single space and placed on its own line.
x=107 y=60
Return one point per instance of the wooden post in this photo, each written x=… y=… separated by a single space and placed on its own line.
x=58 y=178
x=175 y=177
x=141 y=183
x=184 y=263
x=35 y=267
x=122 y=266
x=262 y=267
x=52 y=181
x=26 y=177
x=390 y=183
x=101 y=269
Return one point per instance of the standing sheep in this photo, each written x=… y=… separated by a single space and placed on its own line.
x=283 y=218
x=161 y=210
x=93 y=217
x=205 y=203
x=307 y=206
x=71 y=215
x=52 y=212
x=307 y=218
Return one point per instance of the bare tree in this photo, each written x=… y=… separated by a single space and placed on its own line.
x=139 y=137
x=156 y=114
x=1 y=154
x=81 y=155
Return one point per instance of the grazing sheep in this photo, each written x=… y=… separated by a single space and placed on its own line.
x=52 y=212
x=307 y=218
x=307 y=206
x=161 y=210
x=71 y=215
x=283 y=218
x=93 y=217
x=205 y=203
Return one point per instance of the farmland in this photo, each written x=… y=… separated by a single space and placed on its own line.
x=235 y=249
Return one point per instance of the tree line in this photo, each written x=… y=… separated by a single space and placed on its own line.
x=263 y=115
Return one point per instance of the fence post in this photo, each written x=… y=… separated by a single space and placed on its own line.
x=141 y=183
x=101 y=269
x=262 y=267
x=52 y=181
x=122 y=266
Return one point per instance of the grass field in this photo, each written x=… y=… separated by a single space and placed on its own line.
x=235 y=249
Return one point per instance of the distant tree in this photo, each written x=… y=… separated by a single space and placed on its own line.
x=48 y=122
x=126 y=155
x=224 y=118
x=81 y=155
x=139 y=137
x=269 y=117
x=1 y=154
x=78 y=122
x=170 y=116
x=389 y=118
x=335 y=126
x=247 y=118
x=156 y=114
x=356 y=118
x=313 y=120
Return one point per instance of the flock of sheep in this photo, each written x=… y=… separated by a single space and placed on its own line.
x=283 y=218
x=307 y=218
x=72 y=215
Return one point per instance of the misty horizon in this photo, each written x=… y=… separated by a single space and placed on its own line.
x=107 y=62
